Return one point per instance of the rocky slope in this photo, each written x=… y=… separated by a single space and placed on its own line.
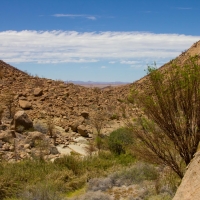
x=67 y=106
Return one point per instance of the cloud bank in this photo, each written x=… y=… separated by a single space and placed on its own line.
x=74 y=16
x=85 y=47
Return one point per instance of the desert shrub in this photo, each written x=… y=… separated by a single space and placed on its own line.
x=160 y=197
x=93 y=196
x=101 y=184
x=40 y=127
x=167 y=182
x=135 y=175
x=71 y=162
x=40 y=192
x=168 y=129
x=7 y=99
x=50 y=126
x=119 y=140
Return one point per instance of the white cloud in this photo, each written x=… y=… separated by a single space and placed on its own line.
x=103 y=67
x=129 y=62
x=91 y=17
x=112 y=62
x=85 y=47
x=74 y=16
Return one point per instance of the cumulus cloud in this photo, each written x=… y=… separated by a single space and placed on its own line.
x=74 y=16
x=86 y=47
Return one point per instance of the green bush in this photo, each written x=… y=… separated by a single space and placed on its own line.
x=72 y=162
x=119 y=140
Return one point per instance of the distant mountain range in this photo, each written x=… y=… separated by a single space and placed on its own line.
x=96 y=83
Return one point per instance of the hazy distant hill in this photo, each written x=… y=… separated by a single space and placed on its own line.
x=97 y=84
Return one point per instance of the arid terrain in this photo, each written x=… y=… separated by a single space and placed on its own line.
x=63 y=116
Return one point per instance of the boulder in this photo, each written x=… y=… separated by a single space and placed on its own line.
x=189 y=187
x=74 y=126
x=38 y=92
x=25 y=104
x=85 y=114
x=22 y=121
x=82 y=130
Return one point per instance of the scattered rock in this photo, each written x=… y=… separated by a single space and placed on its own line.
x=6 y=136
x=82 y=130
x=54 y=150
x=22 y=122
x=38 y=92
x=25 y=104
x=85 y=114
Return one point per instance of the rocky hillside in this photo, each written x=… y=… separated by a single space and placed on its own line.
x=180 y=60
x=71 y=108
x=41 y=97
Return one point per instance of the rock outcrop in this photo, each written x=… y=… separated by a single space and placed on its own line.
x=189 y=188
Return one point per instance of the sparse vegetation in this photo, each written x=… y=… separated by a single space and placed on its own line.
x=168 y=129
x=78 y=150
x=69 y=173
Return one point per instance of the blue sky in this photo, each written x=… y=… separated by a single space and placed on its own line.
x=95 y=40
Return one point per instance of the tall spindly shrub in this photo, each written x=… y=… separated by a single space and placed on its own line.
x=169 y=127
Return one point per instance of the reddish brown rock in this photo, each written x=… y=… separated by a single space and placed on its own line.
x=25 y=104
x=38 y=92
x=22 y=121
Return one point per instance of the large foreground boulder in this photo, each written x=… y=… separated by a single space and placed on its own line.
x=22 y=122
x=189 y=188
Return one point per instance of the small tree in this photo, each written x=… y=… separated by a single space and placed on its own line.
x=98 y=120
x=1 y=114
x=8 y=100
x=169 y=129
x=50 y=126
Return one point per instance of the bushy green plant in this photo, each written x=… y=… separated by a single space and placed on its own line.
x=70 y=162
x=169 y=127
x=119 y=140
